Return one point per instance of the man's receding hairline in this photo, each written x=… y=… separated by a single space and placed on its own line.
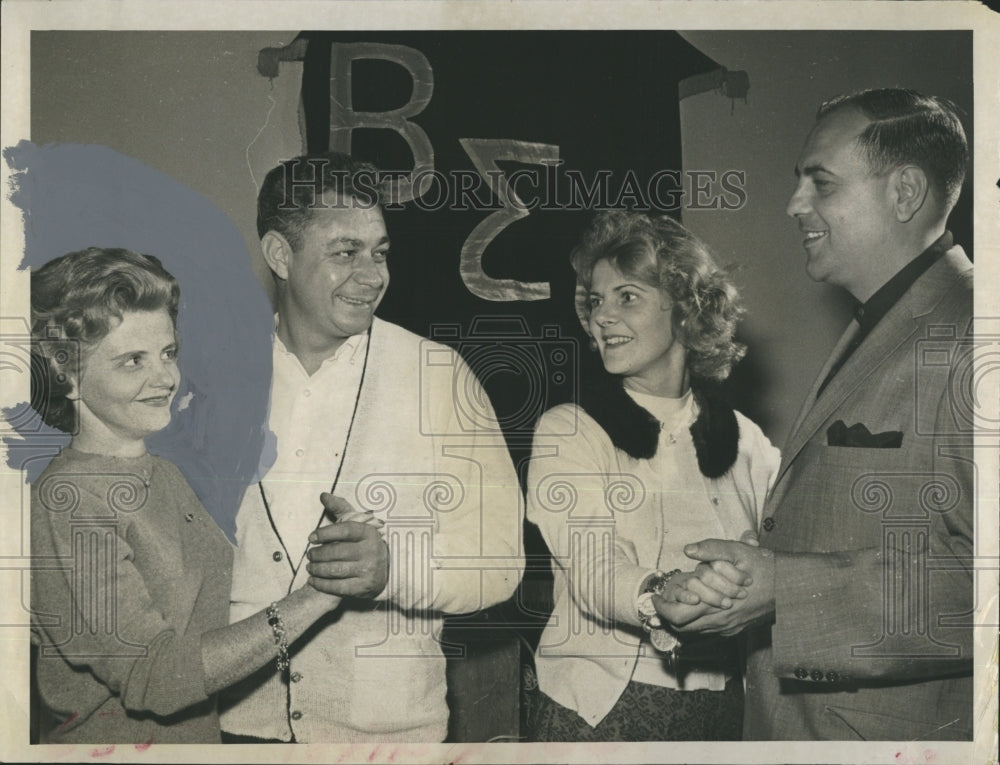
x=857 y=141
x=844 y=109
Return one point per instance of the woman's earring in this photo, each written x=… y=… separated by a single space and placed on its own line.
x=593 y=344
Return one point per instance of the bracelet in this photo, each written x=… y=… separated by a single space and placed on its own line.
x=644 y=603
x=662 y=639
x=280 y=640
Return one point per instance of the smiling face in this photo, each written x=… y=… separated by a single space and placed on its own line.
x=631 y=322
x=126 y=385
x=844 y=212
x=334 y=279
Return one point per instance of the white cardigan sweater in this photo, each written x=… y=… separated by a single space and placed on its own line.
x=445 y=486
x=603 y=515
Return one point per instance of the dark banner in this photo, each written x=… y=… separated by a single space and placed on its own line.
x=500 y=147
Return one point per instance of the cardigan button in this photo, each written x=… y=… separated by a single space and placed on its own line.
x=816 y=675
x=295 y=677
x=801 y=673
x=278 y=557
x=296 y=715
x=769 y=524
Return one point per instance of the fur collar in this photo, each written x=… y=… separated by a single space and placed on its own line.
x=636 y=432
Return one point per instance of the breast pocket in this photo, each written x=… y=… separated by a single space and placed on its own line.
x=854 y=492
x=832 y=470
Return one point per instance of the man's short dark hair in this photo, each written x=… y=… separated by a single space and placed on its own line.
x=908 y=127
x=296 y=187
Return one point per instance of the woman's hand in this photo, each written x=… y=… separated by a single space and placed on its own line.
x=677 y=605
x=692 y=594
x=719 y=582
x=721 y=554
x=329 y=601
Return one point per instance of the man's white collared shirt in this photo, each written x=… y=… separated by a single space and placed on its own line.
x=310 y=417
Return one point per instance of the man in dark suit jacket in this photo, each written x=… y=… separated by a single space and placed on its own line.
x=859 y=613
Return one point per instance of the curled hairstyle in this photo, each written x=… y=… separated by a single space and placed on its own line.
x=296 y=187
x=910 y=128
x=659 y=251
x=76 y=300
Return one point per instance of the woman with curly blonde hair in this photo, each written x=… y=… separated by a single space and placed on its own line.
x=649 y=459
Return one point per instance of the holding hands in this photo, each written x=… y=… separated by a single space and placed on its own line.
x=349 y=558
x=732 y=587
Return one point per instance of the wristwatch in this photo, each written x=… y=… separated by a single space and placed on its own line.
x=662 y=639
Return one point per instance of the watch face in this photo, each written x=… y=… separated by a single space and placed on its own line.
x=645 y=605
x=663 y=640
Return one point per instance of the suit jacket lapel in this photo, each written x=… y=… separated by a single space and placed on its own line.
x=885 y=338
x=810 y=399
x=894 y=328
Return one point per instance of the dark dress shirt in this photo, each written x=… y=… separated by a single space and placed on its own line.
x=869 y=313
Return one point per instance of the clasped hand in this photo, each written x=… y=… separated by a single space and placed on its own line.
x=349 y=557
x=732 y=587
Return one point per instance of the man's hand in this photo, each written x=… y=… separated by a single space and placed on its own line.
x=724 y=557
x=350 y=558
x=677 y=605
x=341 y=510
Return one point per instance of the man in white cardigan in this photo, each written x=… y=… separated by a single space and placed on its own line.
x=368 y=408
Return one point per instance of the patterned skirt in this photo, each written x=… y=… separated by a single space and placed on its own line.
x=644 y=713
